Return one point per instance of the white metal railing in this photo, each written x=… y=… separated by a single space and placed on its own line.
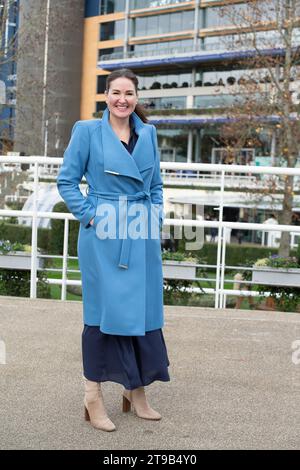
x=219 y=291
x=236 y=180
x=184 y=177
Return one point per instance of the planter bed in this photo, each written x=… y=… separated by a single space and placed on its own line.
x=19 y=260
x=277 y=276
x=179 y=270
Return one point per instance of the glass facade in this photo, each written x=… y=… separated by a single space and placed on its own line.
x=159 y=81
x=267 y=39
x=110 y=52
x=173 y=144
x=217 y=101
x=100 y=106
x=195 y=141
x=160 y=24
x=112 y=30
x=139 y=4
x=101 y=83
x=240 y=76
x=103 y=7
x=237 y=14
x=161 y=48
x=167 y=102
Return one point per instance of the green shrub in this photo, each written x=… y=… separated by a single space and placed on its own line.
x=22 y=234
x=175 y=293
x=16 y=283
x=57 y=233
x=235 y=254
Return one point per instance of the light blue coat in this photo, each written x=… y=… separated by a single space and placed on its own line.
x=122 y=283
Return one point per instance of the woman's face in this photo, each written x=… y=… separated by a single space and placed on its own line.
x=121 y=97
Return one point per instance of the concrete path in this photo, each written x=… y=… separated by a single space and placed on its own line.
x=233 y=383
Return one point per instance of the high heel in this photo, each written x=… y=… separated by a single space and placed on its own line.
x=137 y=400
x=86 y=414
x=94 y=410
x=126 y=405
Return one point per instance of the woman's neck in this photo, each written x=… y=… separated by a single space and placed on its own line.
x=121 y=125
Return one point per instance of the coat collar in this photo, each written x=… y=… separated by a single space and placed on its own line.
x=117 y=160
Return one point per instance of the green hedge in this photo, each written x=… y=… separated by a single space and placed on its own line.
x=22 y=234
x=49 y=240
x=236 y=255
x=16 y=283
x=57 y=233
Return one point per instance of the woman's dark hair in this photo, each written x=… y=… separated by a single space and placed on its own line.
x=127 y=73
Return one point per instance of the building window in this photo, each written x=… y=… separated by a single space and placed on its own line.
x=164 y=81
x=101 y=83
x=159 y=24
x=110 y=53
x=239 y=13
x=238 y=41
x=100 y=106
x=137 y=4
x=173 y=144
x=109 y=6
x=168 y=102
x=162 y=48
x=103 y=7
x=112 y=30
x=91 y=8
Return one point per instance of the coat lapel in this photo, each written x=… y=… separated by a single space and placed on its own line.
x=117 y=160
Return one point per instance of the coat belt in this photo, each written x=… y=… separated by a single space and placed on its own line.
x=123 y=198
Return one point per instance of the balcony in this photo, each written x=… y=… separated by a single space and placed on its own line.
x=173 y=58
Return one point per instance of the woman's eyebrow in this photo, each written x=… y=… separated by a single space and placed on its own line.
x=115 y=89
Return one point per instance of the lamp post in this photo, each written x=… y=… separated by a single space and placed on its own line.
x=56 y=116
x=44 y=121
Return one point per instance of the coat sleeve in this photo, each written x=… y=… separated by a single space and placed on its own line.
x=71 y=173
x=156 y=186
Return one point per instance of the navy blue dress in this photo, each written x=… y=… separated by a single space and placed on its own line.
x=133 y=361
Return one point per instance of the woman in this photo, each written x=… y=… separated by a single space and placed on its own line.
x=118 y=249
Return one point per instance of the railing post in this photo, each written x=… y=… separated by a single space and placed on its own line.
x=65 y=260
x=33 y=272
x=222 y=294
x=220 y=235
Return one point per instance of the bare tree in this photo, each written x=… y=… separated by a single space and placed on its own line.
x=267 y=94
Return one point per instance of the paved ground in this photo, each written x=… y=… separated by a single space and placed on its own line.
x=233 y=382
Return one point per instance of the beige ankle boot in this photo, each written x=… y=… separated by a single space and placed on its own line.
x=94 y=409
x=137 y=398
